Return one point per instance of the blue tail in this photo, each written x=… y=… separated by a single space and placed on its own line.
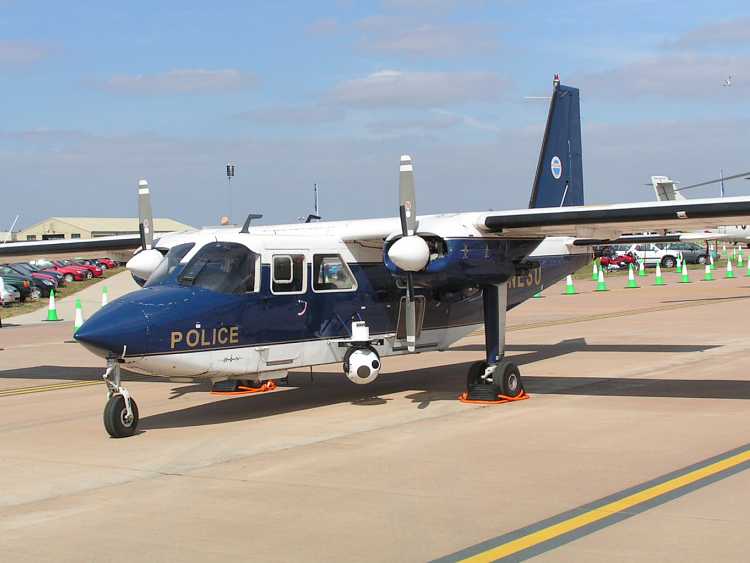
x=559 y=174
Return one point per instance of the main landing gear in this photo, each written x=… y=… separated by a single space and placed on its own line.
x=121 y=411
x=494 y=379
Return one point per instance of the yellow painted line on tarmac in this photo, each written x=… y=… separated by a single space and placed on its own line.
x=672 y=487
x=43 y=388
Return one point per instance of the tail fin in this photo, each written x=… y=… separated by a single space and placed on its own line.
x=559 y=173
x=664 y=189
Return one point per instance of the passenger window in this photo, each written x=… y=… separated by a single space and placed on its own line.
x=331 y=273
x=226 y=267
x=288 y=274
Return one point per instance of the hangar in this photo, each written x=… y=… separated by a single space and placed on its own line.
x=93 y=227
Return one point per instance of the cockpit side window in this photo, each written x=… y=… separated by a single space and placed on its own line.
x=226 y=267
x=331 y=273
x=170 y=262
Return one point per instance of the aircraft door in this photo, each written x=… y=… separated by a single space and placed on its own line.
x=287 y=310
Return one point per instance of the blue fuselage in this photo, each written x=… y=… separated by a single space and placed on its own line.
x=170 y=318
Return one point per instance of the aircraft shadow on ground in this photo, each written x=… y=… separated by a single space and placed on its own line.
x=441 y=383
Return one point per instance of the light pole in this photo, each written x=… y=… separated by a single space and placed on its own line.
x=230 y=175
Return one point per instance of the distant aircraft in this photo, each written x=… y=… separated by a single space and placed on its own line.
x=728 y=81
x=666 y=190
x=246 y=305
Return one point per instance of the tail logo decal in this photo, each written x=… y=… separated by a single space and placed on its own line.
x=556 y=167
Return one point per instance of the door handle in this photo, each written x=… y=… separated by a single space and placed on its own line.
x=304 y=307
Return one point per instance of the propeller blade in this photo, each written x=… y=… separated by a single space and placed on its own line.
x=411 y=315
x=145 y=216
x=402 y=215
x=406 y=193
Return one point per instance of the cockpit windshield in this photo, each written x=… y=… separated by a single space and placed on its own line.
x=226 y=267
x=170 y=262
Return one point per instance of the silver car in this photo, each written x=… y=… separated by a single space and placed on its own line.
x=8 y=293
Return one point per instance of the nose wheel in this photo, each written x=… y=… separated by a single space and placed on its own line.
x=117 y=420
x=121 y=410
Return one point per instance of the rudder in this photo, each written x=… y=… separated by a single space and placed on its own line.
x=559 y=173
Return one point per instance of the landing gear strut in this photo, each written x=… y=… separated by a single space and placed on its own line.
x=121 y=411
x=495 y=378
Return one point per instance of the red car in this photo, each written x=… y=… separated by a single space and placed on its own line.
x=96 y=271
x=108 y=262
x=69 y=273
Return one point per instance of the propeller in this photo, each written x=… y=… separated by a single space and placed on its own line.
x=410 y=253
x=147 y=258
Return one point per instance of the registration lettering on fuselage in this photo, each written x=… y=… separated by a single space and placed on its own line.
x=529 y=278
x=205 y=337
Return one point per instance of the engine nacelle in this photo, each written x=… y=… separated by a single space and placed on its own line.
x=362 y=365
x=143 y=264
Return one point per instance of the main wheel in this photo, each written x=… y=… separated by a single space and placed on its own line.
x=476 y=371
x=510 y=382
x=69 y=278
x=116 y=419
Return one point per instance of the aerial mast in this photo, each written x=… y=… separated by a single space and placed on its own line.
x=230 y=175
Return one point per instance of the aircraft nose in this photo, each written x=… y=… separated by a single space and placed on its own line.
x=116 y=330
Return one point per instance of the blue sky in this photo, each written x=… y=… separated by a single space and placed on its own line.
x=98 y=95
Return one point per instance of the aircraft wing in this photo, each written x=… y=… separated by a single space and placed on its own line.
x=610 y=221
x=64 y=246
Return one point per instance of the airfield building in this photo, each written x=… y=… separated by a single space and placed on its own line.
x=93 y=227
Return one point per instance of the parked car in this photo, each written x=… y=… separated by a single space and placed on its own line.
x=111 y=264
x=43 y=282
x=70 y=273
x=23 y=284
x=8 y=294
x=692 y=252
x=59 y=278
x=96 y=271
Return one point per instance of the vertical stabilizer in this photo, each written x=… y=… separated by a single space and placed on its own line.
x=664 y=189
x=559 y=173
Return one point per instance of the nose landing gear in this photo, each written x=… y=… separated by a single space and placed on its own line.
x=121 y=410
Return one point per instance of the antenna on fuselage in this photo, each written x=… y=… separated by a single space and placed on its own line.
x=246 y=227
x=315 y=215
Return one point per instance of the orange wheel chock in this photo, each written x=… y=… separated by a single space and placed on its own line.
x=269 y=385
x=501 y=399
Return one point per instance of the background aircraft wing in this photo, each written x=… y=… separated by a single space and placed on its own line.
x=610 y=221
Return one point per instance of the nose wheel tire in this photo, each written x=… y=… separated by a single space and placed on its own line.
x=116 y=419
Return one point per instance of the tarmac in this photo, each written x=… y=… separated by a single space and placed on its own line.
x=632 y=447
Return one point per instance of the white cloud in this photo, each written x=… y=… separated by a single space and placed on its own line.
x=422 y=124
x=394 y=88
x=724 y=33
x=182 y=81
x=295 y=115
x=427 y=40
x=672 y=76
x=21 y=53
x=324 y=26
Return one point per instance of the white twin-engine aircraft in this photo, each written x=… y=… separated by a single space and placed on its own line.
x=244 y=306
